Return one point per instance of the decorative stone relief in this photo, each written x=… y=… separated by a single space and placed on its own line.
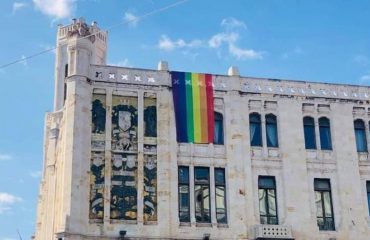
x=98 y=114
x=124 y=158
x=124 y=123
x=124 y=187
x=150 y=158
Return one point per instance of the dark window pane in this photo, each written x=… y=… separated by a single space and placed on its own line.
x=327 y=204
x=309 y=133
x=271 y=131
x=318 y=203
x=202 y=204
x=218 y=129
x=183 y=174
x=325 y=136
x=271 y=202
x=368 y=195
x=221 y=204
x=255 y=129
x=360 y=136
x=266 y=182
x=201 y=175
x=220 y=176
x=267 y=200
x=324 y=207
x=322 y=184
x=262 y=201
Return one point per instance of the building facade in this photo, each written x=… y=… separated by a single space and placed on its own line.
x=157 y=154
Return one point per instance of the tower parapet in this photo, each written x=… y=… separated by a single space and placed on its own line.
x=72 y=37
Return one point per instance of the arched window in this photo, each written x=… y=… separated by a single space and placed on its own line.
x=360 y=135
x=271 y=131
x=325 y=136
x=309 y=132
x=255 y=129
x=218 y=129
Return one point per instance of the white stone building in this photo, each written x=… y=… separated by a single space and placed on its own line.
x=289 y=159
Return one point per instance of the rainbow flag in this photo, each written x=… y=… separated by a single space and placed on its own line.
x=194 y=111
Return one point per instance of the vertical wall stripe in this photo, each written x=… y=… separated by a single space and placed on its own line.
x=196 y=107
x=189 y=107
x=203 y=108
x=210 y=107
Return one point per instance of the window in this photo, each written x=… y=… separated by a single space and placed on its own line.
x=255 y=129
x=221 y=215
x=267 y=200
x=309 y=132
x=324 y=206
x=360 y=136
x=368 y=194
x=271 y=131
x=325 y=136
x=202 y=197
x=184 y=196
x=218 y=129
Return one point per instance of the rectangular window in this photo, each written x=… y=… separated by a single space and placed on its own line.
x=368 y=194
x=324 y=206
x=184 y=194
x=202 y=195
x=267 y=200
x=221 y=209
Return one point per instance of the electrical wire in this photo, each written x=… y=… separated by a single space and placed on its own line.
x=112 y=26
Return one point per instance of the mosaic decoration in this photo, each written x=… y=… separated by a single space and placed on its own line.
x=124 y=158
x=150 y=160
x=194 y=107
x=124 y=123
x=97 y=185
x=124 y=187
x=150 y=188
x=97 y=164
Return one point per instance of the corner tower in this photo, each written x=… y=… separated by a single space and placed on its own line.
x=78 y=46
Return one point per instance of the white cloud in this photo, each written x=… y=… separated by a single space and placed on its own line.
x=217 y=40
x=56 y=8
x=165 y=43
x=365 y=79
x=131 y=19
x=24 y=61
x=241 y=53
x=295 y=51
x=5 y=157
x=226 y=39
x=231 y=23
x=19 y=5
x=230 y=40
x=7 y=200
x=35 y=174
x=124 y=63
x=362 y=59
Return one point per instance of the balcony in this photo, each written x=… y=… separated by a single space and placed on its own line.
x=265 y=232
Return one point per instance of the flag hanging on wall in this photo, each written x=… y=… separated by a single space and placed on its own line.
x=194 y=109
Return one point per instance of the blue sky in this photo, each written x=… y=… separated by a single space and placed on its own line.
x=316 y=40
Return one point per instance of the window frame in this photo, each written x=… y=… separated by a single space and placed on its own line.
x=321 y=132
x=203 y=186
x=312 y=125
x=268 y=216
x=180 y=184
x=260 y=141
x=368 y=195
x=219 y=117
x=363 y=128
x=275 y=123
x=321 y=191
x=223 y=184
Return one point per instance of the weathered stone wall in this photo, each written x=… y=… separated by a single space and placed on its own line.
x=64 y=207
